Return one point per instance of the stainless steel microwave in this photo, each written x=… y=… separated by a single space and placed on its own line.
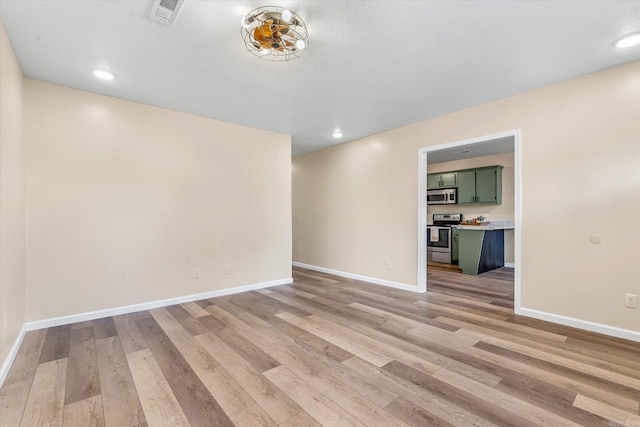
x=444 y=196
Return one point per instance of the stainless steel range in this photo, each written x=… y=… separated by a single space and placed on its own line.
x=439 y=237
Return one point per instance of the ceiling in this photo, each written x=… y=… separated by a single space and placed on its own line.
x=370 y=65
x=468 y=151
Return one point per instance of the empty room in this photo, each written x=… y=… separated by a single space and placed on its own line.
x=319 y=213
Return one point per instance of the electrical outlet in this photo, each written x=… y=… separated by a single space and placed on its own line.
x=227 y=269
x=630 y=300
x=196 y=273
x=388 y=264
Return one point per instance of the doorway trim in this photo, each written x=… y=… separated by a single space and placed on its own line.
x=422 y=206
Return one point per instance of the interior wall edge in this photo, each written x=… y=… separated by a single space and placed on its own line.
x=586 y=325
x=12 y=202
x=367 y=279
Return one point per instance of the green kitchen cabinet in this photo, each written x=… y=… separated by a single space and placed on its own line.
x=480 y=186
x=442 y=180
x=466 y=187
x=489 y=185
x=455 y=245
x=433 y=180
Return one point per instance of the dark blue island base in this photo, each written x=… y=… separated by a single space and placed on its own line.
x=480 y=250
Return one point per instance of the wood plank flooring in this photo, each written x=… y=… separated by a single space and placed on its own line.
x=327 y=351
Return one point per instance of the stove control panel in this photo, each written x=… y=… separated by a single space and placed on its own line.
x=451 y=218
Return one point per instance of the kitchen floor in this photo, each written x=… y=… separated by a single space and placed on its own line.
x=327 y=351
x=442 y=266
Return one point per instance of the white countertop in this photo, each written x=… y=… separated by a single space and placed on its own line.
x=492 y=225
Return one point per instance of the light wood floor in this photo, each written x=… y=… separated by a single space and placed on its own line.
x=327 y=351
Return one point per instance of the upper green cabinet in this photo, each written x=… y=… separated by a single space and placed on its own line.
x=480 y=185
x=442 y=180
x=467 y=187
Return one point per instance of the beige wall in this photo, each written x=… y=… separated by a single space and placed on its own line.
x=12 y=263
x=502 y=212
x=124 y=200
x=355 y=205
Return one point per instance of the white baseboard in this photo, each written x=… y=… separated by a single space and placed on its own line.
x=509 y=264
x=581 y=324
x=375 y=280
x=91 y=315
x=6 y=365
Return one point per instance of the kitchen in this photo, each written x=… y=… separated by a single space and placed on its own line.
x=471 y=204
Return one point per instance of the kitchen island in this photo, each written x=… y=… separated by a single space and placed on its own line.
x=481 y=247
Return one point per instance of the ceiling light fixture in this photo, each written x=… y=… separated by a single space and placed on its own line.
x=629 y=40
x=337 y=134
x=274 y=33
x=103 y=74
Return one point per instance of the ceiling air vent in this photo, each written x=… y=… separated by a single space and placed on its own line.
x=165 y=11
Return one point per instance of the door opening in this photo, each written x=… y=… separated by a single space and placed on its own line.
x=487 y=145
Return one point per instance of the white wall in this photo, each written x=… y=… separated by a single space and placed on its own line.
x=124 y=200
x=355 y=204
x=12 y=228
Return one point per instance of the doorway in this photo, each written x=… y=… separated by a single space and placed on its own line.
x=465 y=149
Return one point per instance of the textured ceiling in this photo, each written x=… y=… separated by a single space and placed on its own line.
x=370 y=66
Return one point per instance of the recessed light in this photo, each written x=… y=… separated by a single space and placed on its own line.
x=337 y=134
x=103 y=74
x=629 y=40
